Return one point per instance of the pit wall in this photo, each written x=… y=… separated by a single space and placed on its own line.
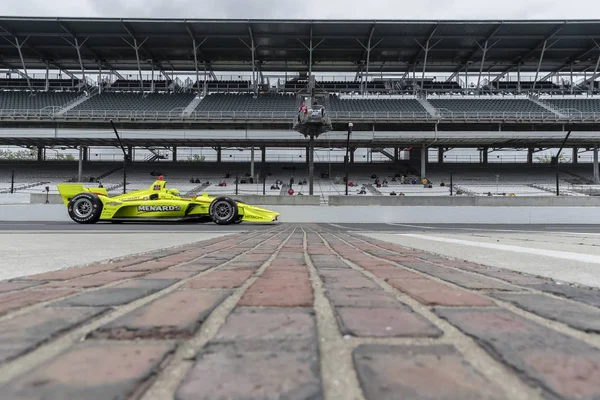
x=574 y=215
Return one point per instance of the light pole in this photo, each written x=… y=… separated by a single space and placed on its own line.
x=350 y=125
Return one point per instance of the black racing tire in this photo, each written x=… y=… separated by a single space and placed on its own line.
x=223 y=211
x=85 y=208
x=239 y=219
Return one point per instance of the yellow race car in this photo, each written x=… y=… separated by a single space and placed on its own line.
x=157 y=203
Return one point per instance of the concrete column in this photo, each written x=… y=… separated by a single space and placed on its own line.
x=596 y=177
x=575 y=154
x=396 y=154
x=441 y=155
x=174 y=154
x=307 y=155
x=352 y=150
x=423 y=162
x=252 y=162
x=218 y=154
x=530 y=155
x=40 y=156
x=86 y=153
x=485 y=155
x=130 y=151
x=264 y=154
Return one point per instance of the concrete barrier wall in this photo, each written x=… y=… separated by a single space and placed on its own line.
x=464 y=201
x=250 y=199
x=260 y=200
x=369 y=214
x=14 y=198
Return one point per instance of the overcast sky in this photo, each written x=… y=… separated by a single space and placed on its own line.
x=307 y=9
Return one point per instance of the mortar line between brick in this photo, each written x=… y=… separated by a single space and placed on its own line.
x=56 y=346
x=28 y=309
x=168 y=380
x=472 y=352
x=589 y=338
x=338 y=376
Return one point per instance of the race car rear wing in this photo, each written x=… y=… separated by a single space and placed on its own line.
x=69 y=190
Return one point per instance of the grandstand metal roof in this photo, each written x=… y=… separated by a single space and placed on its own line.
x=340 y=45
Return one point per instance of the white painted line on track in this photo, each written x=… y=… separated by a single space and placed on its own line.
x=497 y=230
x=565 y=255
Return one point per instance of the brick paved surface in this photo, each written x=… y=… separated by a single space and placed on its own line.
x=296 y=312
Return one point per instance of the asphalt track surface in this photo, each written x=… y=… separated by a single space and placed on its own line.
x=210 y=227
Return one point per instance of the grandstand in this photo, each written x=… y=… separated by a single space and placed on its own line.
x=411 y=89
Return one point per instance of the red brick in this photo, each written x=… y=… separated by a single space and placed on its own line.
x=171 y=274
x=70 y=273
x=562 y=366
x=26 y=332
x=576 y=315
x=175 y=315
x=14 y=300
x=346 y=279
x=430 y=292
x=154 y=265
x=286 y=273
x=584 y=295
x=263 y=324
x=384 y=322
x=100 y=279
x=282 y=370
x=92 y=371
x=117 y=295
x=278 y=293
x=390 y=272
x=243 y=265
x=387 y=372
x=361 y=298
x=18 y=285
x=460 y=278
x=220 y=279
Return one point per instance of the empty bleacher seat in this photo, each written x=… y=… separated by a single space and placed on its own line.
x=10 y=100
x=136 y=102
x=376 y=105
x=574 y=105
x=484 y=105
x=222 y=102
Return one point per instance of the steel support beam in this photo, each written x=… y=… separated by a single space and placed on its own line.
x=196 y=47
x=252 y=48
x=426 y=49
x=18 y=45
x=47 y=86
x=594 y=76
x=537 y=72
x=310 y=49
x=474 y=51
x=77 y=47
x=531 y=52
x=368 y=49
x=485 y=49
x=136 y=47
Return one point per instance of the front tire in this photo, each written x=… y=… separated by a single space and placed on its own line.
x=223 y=211
x=85 y=208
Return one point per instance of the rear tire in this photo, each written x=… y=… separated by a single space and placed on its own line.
x=85 y=208
x=223 y=211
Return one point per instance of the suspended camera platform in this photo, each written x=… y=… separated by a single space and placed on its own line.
x=313 y=123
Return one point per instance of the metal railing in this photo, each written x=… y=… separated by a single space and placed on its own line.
x=286 y=116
